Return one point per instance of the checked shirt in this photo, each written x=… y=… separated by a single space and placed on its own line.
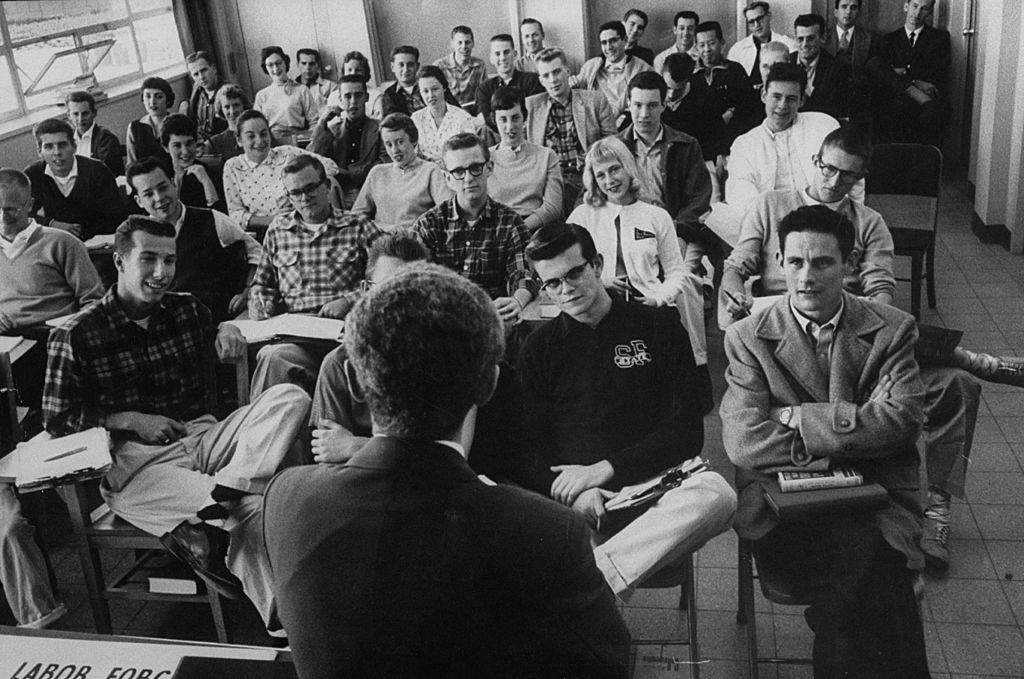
x=305 y=269
x=102 y=362
x=560 y=135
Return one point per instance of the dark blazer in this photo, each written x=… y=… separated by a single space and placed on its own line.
x=107 y=149
x=641 y=52
x=527 y=83
x=927 y=60
x=402 y=563
x=772 y=364
x=393 y=102
x=95 y=202
x=371 y=151
x=856 y=55
x=831 y=87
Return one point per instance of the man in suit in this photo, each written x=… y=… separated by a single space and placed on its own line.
x=346 y=135
x=414 y=567
x=567 y=121
x=747 y=52
x=635 y=21
x=828 y=79
x=910 y=67
x=849 y=43
x=71 y=192
x=825 y=376
x=91 y=139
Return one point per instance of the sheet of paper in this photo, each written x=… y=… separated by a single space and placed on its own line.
x=53 y=458
x=9 y=344
x=290 y=325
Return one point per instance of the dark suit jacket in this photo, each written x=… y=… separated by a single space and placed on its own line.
x=772 y=364
x=402 y=563
x=641 y=52
x=95 y=202
x=371 y=151
x=928 y=60
x=107 y=149
x=856 y=55
x=831 y=87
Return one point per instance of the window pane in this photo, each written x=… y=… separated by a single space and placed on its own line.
x=144 y=5
x=122 y=58
x=8 y=98
x=31 y=59
x=159 y=43
x=42 y=17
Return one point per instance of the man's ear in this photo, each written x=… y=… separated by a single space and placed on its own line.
x=598 y=264
x=118 y=261
x=354 y=388
x=779 y=258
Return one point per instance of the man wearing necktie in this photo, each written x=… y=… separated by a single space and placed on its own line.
x=910 y=68
x=823 y=376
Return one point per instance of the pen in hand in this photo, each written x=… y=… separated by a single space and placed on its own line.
x=744 y=309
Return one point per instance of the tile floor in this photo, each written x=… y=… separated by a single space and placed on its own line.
x=974 y=616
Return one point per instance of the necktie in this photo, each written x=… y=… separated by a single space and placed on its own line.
x=620 y=263
x=844 y=40
x=755 y=71
x=823 y=347
x=913 y=39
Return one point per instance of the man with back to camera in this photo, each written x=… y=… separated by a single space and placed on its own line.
x=503 y=58
x=415 y=567
x=609 y=394
x=91 y=139
x=747 y=52
x=822 y=376
x=610 y=72
x=635 y=21
x=684 y=26
x=132 y=363
x=71 y=192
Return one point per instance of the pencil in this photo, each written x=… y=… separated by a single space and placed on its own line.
x=746 y=312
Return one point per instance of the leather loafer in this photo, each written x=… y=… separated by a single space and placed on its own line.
x=204 y=548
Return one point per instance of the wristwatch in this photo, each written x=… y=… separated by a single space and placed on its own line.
x=785 y=415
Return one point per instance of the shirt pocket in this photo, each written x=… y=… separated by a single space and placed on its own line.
x=347 y=266
x=289 y=273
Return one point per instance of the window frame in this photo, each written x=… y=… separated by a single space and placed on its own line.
x=81 y=35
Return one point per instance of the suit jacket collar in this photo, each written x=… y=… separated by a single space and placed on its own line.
x=388 y=453
x=850 y=350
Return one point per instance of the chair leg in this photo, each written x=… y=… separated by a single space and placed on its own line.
x=745 y=615
x=916 y=262
x=219 y=619
x=688 y=603
x=930 y=280
x=92 y=567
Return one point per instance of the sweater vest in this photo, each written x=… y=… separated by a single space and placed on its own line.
x=205 y=268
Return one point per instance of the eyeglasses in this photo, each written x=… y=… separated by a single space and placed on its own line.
x=830 y=171
x=308 y=190
x=573 y=275
x=476 y=169
x=753 y=21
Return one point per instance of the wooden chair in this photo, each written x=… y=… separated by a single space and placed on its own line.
x=899 y=176
x=682 y=575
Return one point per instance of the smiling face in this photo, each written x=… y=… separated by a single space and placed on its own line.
x=157 y=195
x=781 y=100
x=918 y=12
x=155 y=102
x=847 y=169
x=533 y=38
x=276 y=68
x=635 y=27
x=554 y=77
x=759 y=23
x=145 y=272
x=709 y=47
x=612 y=178
x=353 y=100
x=81 y=116
x=432 y=92
x=470 y=191
x=511 y=125
x=203 y=73
x=182 y=149
x=404 y=66
x=58 y=152
x=399 y=147
x=613 y=47
x=646 y=106
x=309 y=194
x=685 y=30
x=503 y=56
x=231 y=109
x=579 y=290
x=254 y=138
x=462 y=45
x=846 y=13
x=814 y=269
x=309 y=67
x=809 y=42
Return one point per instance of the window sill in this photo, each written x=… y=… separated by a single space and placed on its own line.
x=18 y=126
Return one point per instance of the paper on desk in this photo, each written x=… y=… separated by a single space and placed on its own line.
x=9 y=344
x=45 y=460
x=291 y=325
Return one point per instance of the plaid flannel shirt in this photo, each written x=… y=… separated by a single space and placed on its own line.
x=304 y=270
x=463 y=80
x=101 y=362
x=560 y=135
x=492 y=253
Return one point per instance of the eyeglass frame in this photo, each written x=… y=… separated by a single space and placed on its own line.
x=573 y=275
x=486 y=165
x=308 y=190
x=828 y=171
x=758 y=19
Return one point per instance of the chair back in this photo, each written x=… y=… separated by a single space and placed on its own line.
x=903 y=183
x=10 y=428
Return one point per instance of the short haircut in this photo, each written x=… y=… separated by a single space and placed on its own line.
x=200 y=54
x=808 y=20
x=179 y=124
x=431 y=71
x=251 y=114
x=613 y=26
x=503 y=37
x=549 y=54
x=53 y=126
x=124 y=240
x=756 y=5
x=364 y=63
x=315 y=53
x=685 y=14
x=553 y=239
x=232 y=91
x=11 y=177
x=857 y=1
x=850 y=139
x=301 y=162
x=637 y=13
x=465 y=140
x=353 y=79
x=424 y=345
x=271 y=50
x=604 y=150
x=786 y=73
x=397 y=245
x=647 y=80
x=679 y=65
x=818 y=219
x=464 y=30
x=395 y=122
x=505 y=98
x=145 y=166
x=706 y=26
x=531 y=20
x=155 y=83
x=81 y=97
x=406 y=49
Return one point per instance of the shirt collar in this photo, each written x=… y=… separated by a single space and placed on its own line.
x=454 y=445
x=809 y=326
x=71 y=175
x=456 y=216
x=116 y=311
x=835 y=207
x=657 y=140
x=916 y=32
x=271 y=156
x=181 y=219
x=87 y=135
x=15 y=247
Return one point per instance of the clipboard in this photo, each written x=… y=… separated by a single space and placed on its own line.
x=290 y=327
x=46 y=463
x=653 y=488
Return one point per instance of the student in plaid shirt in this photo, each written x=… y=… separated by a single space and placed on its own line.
x=475 y=235
x=314 y=259
x=132 y=363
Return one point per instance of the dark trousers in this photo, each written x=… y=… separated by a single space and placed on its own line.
x=863 y=613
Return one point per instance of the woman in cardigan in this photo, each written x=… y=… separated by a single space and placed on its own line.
x=288 y=106
x=438 y=120
x=143 y=136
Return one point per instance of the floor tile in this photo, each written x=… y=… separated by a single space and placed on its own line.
x=1015 y=596
x=993 y=457
x=1012 y=428
x=999 y=522
x=1004 y=404
x=969 y=559
x=985 y=649
x=1007 y=559
x=721 y=637
x=995 y=488
x=969 y=601
x=987 y=430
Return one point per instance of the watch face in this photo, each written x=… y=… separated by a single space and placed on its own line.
x=786 y=413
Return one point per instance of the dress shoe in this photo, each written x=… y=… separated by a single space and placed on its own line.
x=204 y=548
x=1004 y=370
